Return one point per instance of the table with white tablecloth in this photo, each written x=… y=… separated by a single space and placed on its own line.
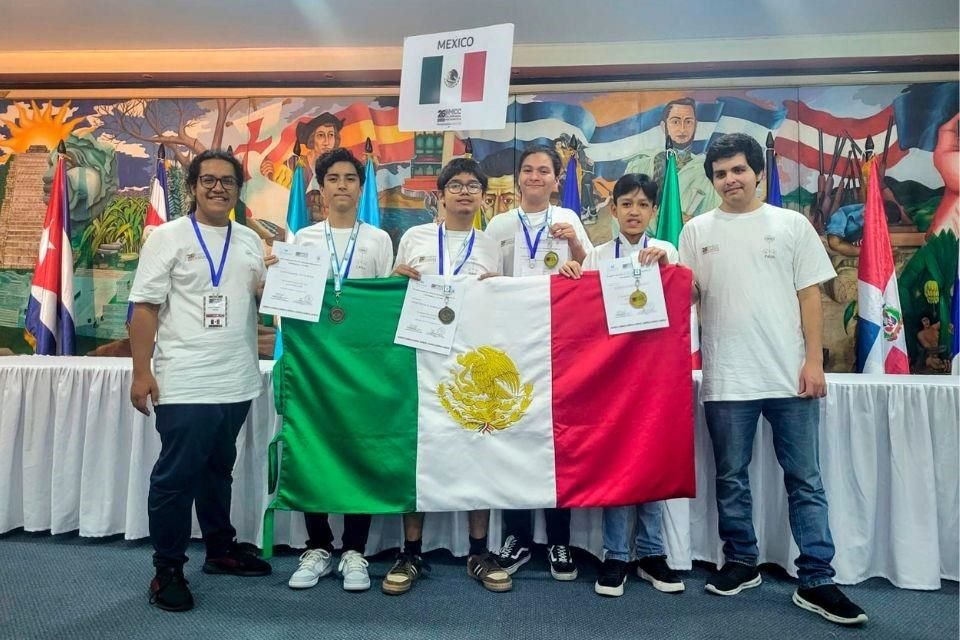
x=75 y=455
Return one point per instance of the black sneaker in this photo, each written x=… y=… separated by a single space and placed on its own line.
x=613 y=575
x=169 y=591
x=654 y=570
x=512 y=555
x=237 y=562
x=733 y=578
x=561 y=562
x=828 y=601
x=404 y=572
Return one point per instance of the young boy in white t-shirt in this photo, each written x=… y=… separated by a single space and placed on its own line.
x=357 y=250
x=465 y=251
x=633 y=206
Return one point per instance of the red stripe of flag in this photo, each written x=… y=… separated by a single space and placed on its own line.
x=474 y=74
x=657 y=443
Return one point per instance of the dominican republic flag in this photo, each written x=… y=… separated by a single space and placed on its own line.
x=881 y=347
x=157 y=207
x=453 y=78
x=49 y=326
x=536 y=405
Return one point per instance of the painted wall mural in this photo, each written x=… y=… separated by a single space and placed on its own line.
x=822 y=137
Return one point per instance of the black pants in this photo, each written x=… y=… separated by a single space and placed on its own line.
x=197 y=452
x=519 y=523
x=356 y=528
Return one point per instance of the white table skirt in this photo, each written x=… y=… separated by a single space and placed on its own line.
x=75 y=455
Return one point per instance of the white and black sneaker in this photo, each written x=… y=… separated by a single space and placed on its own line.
x=613 y=575
x=733 y=578
x=562 y=566
x=828 y=601
x=654 y=569
x=512 y=555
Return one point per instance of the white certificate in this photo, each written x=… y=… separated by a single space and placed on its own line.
x=429 y=317
x=632 y=302
x=294 y=287
x=550 y=256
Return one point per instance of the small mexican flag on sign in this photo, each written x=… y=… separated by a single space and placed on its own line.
x=453 y=78
x=456 y=80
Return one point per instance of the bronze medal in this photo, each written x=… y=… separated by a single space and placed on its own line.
x=446 y=315
x=551 y=259
x=337 y=314
x=638 y=299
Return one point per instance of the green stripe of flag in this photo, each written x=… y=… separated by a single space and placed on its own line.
x=353 y=448
x=430 y=73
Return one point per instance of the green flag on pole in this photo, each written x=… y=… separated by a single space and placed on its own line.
x=669 y=221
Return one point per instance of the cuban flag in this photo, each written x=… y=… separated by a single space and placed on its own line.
x=881 y=347
x=49 y=326
x=157 y=208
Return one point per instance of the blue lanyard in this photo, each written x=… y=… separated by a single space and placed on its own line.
x=214 y=275
x=442 y=243
x=617 y=245
x=533 y=244
x=341 y=265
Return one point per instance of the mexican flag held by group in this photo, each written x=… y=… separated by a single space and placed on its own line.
x=536 y=405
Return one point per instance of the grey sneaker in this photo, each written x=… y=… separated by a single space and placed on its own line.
x=353 y=569
x=314 y=564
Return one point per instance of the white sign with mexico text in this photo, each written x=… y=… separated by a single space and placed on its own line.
x=456 y=80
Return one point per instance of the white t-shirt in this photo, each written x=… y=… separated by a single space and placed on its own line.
x=503 y=229
x=608 y=251
x=419 y=245
x=748 y=268
x=193 y=364
x=372 y=255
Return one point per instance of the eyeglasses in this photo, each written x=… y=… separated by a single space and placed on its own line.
x=229 y=183
x=472 y=188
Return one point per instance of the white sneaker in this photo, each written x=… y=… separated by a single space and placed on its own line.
x=314 y=564
x=353 y=568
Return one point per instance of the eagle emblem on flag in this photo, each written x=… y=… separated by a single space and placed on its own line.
x=486 y=393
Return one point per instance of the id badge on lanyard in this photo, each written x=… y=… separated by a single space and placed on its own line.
x=214 y=311
x=214 y=304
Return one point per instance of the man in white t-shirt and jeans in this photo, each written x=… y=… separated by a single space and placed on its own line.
x=757 y=270
x=195 y=290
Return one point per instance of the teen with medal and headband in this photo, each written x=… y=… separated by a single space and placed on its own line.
x=195 y=292
x=522 y=232
x=357 y=250
x=450 y=247
x=757 y=269
x=633 y=205
x=518 y=233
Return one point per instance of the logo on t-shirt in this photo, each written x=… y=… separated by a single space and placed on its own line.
x=769 y=251
x=710 y=248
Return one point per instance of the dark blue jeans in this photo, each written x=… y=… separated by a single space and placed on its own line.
x=795 y=424
x=197 y=451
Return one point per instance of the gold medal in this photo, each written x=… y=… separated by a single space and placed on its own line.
x=446 y=315
x=551 y=259
x=337 y=314
x=638 y=299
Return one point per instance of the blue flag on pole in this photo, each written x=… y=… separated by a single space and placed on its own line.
x=773 y=192
x=571 y=188
x=368 y=210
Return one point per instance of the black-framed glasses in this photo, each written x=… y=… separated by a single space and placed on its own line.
x=229 y=183
x=473 y=188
